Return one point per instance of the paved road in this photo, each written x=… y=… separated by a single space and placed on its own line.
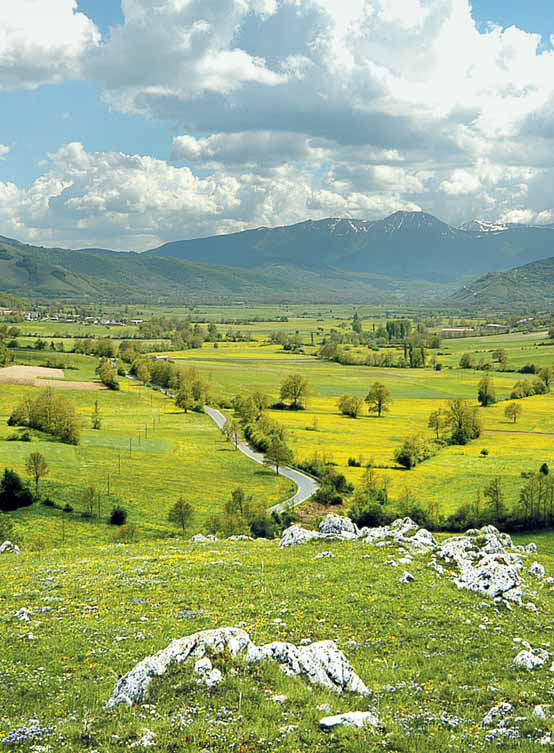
x=306 y=485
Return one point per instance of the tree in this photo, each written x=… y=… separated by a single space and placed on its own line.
x=231 y=429
x=413 y=451
x=37 y=467
x=467 y=361
x=437 y=421
x=350 y=405
x=181 y=513
x=13 y=492
x=463 y=418
x=547 y=375
x=184 y=399
x=513 y=411
x=143 y=372
x=277 y=454
x=96 y=419
x=378 y=399
x=295 y=389
x=495 y=496
x=486 y=394
x=89 y=500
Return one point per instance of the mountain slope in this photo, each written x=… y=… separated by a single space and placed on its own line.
x=529 y=285
x=106 y=275
x=406 y=245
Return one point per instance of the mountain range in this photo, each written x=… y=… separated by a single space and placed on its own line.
x=409 y=256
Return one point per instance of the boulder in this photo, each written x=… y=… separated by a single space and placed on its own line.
x=199 y=538
x=407 y=578
x=295 y=535
x=325 y=555
x=319 y=663
x=537 y=570
x=402 y=531
x=208 y=676
x=497 y=714
x=9 y=548
x=338 y=525
x=531 y=658
x=356 y=719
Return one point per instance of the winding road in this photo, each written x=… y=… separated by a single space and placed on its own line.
x=307 y=486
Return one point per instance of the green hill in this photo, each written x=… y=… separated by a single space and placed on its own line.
x=528 y=286
x=96 y=274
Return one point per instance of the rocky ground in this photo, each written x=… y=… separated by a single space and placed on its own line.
x=388 y=639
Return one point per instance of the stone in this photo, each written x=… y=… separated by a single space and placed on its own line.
x=407 y=578
x=537 y=570
x=319 y=663
x=23 y=615
x=9 y=548
x=241 y=537
x=531 y=658
x=199 y=538
x=487 y=563
x=539 y=712
x=208 y=676
x=279 y=698
x=497 y=714
x=338 y=524
x=531 y=548
x=402 y=531
x=295 y=535
x=355 y=719
x=324 y=555
x=146 y=741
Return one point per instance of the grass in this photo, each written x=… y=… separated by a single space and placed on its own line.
x=436 y=659
x=184 y=455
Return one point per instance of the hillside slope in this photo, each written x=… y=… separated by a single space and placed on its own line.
x=406 y=245
x=435 y=659
x=529 y=285
x=94 y=274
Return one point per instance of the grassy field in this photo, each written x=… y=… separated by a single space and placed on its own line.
x=183 y=455
x=436 y=659
x=450 y=478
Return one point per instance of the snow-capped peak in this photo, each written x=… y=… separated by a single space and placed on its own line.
x=481 y=226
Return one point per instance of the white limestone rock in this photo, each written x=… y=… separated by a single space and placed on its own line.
x=9 y=548
x=132 y=688
x=325 y=555
x=199 y=538
x=531 y=658
x=407 y=578
x=537 y=570
x=319 y=663
x=338 y=525
x=295 y=535
x=402 y=531
x=208 y=676
x=497 y=714
x=353 y=719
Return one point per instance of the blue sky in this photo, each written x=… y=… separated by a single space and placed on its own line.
x=251 y=123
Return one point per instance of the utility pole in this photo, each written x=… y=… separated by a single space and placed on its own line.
x=130 y=447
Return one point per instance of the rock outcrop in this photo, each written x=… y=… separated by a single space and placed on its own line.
x=356 y=719
x=9 y=548
x=320 y=663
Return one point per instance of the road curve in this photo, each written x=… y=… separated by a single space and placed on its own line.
x=307 y=486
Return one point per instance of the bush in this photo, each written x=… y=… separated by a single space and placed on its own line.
x=48 y=502
x=118 y=516
x=14 y=494
x=484 y=452
x=67 y=508
x=353 y=463
x=413 y=451
x=125 y=533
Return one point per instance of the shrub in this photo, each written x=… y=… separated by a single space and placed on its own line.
x=48 y=502
x=118 y=516
x=125 y=533
x=413 y=451
x=13 y=492
x=353 y=463
x=67 y=508
x=484 y=452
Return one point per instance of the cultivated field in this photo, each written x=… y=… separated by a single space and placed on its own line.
x=38 y=376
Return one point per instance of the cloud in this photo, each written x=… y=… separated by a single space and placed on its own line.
x=4 y=151
x=42 y=42
x=281 y=108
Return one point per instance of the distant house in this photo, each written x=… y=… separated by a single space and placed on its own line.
x=455 y=331
x=136 y=321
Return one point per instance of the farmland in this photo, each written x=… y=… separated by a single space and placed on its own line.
x=183 y=455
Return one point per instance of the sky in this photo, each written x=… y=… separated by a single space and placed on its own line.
x=128 y=124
